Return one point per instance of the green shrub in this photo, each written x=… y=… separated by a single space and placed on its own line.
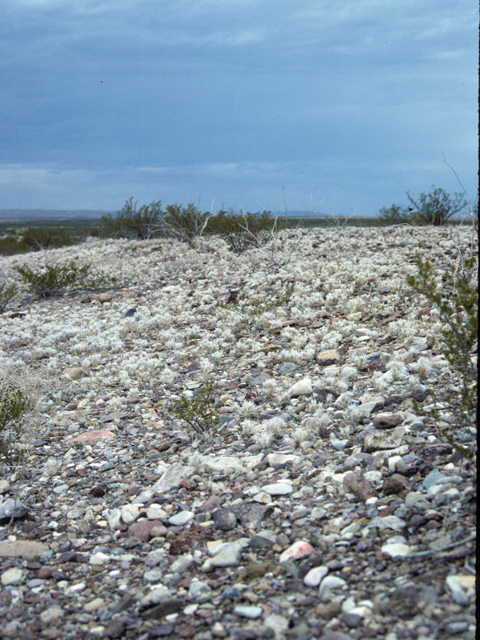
x=133 y=223
x=35 y=239
x=6 y=294
x=186 y=224
x=198 y=410
x=244 y=231
x=458 y=309
x=394 y=215
x=435 y=208
x=13 y=404
x=54 y=279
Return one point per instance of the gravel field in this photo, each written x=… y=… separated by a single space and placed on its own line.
x=320 y=501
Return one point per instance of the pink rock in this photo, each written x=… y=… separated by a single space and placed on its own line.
x=299 y=549
x=91 y=436
x=145 y=530
x=211 y=504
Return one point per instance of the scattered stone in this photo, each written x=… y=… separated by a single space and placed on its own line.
x=390 y=439
x=248 y=611
x=315 y=576
x=104 y=297
x=328 y=357
x=458 y=593
x=224 y=519
x=387 y=420
x=301 y=388
x=12 y=576
x=11 y=508
x=181 y=518
x=92 y=436
x=278 y=489
x=199 y=591
x=171 y=477
x=327 y=585
x=296 y=551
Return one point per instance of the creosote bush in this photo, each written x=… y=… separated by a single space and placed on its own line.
x=197 y=409
x=458 y=308
x=244 y=231
x=7 y=293
x=54 y=279
x=133 y=223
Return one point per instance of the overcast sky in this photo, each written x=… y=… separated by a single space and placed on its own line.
x=340 y=106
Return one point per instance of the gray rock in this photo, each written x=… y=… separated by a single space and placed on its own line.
x=10 y=506
x=390 y=439
x=456 y=588
x=199 y=591
x=327 y=585
x=280 y=488
x=224 y=519
x=458 y=626
x=228 y=556
x=154 y=557
x=12 y=576
x=172 y=477
x=248 y=611
x=181 y=518
x=182 y=564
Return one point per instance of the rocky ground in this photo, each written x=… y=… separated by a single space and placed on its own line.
x=319 y=502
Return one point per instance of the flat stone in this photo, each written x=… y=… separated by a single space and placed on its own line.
x=299 y=549
x=93 y=605
x=300 y=388
x=390 y=439
x=279 y=460
x=104 y=297
x=92 y=436
x=181 y=518
x=372 y=405
x=328 y=584
x=147 y=529
x=395 y=550
x=199 y=591
x=24 y=548
x=12 y=507
x=458 y=593
x=278 y=488
x=387 y=420
x=4 y=486
x=328 y=357
x=52 y=615
x=130 y=513
x=12 y=576
x=228 y=555
x=248 y=611
x=172 y=476
x=211 y=504
x=315 y=576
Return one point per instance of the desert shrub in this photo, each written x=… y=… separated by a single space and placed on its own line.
x=198 y=411
x=394 y=215
x=243 y=231
x=435 y=208
x=54 y=279
x=185 y=224
x=14 y=402
x=6 y=294
x=35 y=239
x=458 y=308
x=133 y=223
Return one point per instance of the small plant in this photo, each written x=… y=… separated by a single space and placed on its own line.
x=198 y=411
x=6 y=294
x=35 y=239
x=185 y=224
x=435 y=208
x=244 y=231
x=13 y=404
x=458 y=308
x=133 y=223
x=54 y=279
x=394 y=215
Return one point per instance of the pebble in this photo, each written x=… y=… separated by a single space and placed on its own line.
x=278 y=488
x=12 y=507
x=228 y=556
x=12 y=576
x=298 y=550
x=93 y=605
x=248 y=611
x=328 y=584
x=181 y=518
x=457 y=590
x=315 y=576
x=199 y=591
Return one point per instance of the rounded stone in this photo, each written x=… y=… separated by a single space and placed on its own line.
x=12 y=576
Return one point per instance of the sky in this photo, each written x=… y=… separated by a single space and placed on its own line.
x=332 y=107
